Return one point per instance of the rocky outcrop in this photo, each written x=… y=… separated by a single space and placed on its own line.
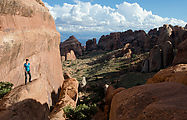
x=91 y=45
x=141 y=41
x=68 y=97
x=110 y=42
x=168 y=54
x=176 y=73
x=164 y=34
x=69 y=56
x=185 y=27
x=28 y=30
x=70 y=44
x=161 y=101
x=155 y=59
x=27 y=109
x=108 y=99
x=181 y=56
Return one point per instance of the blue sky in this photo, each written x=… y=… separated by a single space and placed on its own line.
x=72 y=16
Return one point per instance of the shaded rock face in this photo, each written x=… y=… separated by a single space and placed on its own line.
x=150 y=102
x=185 y=27
x=176 y=73
x=91 y=45
x=168 y=38
x=27 y=30
x=181 y=56
x=27 y=109
x=168 y=55
x=68 y=97
x=155 y=59
x=145 y=66
x=71 y=44
x=141 y=41
x=138 y=39
x=111 y=91
x=110 y=42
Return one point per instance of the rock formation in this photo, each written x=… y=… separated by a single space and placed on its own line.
x=176 y=73
x=155 y=59
x=161 y=101
x=110 y=42
x=164 y=34
x=70 y=55
x=27 y=109
x=68 y=97
x=91 y=45
x=108 y=99
x=168 y=54
x=27 y=30
x=181 y=56
x=71 y=44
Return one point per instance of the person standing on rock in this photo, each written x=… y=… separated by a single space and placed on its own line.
x=27 y=71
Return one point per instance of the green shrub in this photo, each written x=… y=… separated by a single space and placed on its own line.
x=5 y=87
x=81 y=112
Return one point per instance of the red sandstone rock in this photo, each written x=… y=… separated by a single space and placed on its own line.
x=27 y=109
x=108 y=99
x=181 y=56
x=68 y=97
x=71 y=44
x=161 y=101
x=28 y=31
x=155 y=59
x=91 y=45
x=168 y=54
x=164 y=34
x=176 y=73
x=70 y=56
x=110 y=42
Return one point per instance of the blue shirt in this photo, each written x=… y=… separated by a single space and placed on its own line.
x=27 y=66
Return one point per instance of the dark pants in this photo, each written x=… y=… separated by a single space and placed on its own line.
x=27 y=72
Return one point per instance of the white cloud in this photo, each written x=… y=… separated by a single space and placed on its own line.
x=84 y=16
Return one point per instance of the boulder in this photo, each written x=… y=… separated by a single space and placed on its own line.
x=168 y=54
x=27 y=109
x=68 y=97
x=27 y=30
x=70 y=55
x=176 y=73
x=161 y=101
x=181 y=56
x=71 y=44
x=91 y=45
x=155 y=59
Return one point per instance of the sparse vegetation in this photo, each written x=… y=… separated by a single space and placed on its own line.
x=100 y=69
x=81 y=112
x=5 y=87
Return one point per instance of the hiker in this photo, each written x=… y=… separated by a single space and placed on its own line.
x=27 y=71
